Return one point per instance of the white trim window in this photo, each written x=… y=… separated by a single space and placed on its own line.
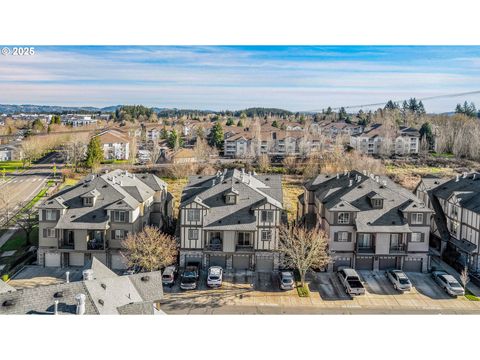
x=266 y=235
x=88 y=201
x=120 y=216
x=267 y=216
x=50 y=233
x=51 y=215
x=192 y=234
x=193 y=214
x=343 y=218
x=416 y=237
x=342 y=236
x=417 y=218
x=119 y=234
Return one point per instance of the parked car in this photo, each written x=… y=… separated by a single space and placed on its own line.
x=448 y=283
x=168 y=276
x=215 y=276
x=351 y=281
x=399 y=280
x=287 y=280
x=189 y=278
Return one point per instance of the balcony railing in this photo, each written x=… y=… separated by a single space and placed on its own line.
x=95 y=245
x=366 y=249
x=398 y=248
x=244 y=248
x=64 y=245
x=216 y=245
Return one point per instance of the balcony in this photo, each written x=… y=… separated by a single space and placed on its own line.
x=366 y=249
x=95 y=245
x=243 y=247
x=399 y=248
x=215 y=244
x=64 y=245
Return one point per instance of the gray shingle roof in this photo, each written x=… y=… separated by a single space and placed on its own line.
x=107 y=293
x=353 y=192
x=117 y=190
x=253 y=190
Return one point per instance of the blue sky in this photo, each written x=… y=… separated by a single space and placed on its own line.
x=297 y=78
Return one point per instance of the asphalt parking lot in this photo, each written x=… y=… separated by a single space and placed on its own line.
x=259 y=293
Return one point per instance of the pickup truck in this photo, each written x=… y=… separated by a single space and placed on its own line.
x=351 y=282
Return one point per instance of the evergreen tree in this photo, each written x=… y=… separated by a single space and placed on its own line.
x=467 y=109
x=164 y=133
x=229 y=122
x=342 y=114
x=391 y=105
x=329 y=111
x=216 y=136
x=427 y=133
x=94 y=153
x=174 y=140
x=275 y=123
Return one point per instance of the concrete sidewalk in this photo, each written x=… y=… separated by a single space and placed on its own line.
x=439 y=263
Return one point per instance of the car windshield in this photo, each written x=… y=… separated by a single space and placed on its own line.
x=454 y=284
x=167 y=277
x=214 y=277
x=188 y=280
x=404 y=281
x=287 y=280
x=189 y=274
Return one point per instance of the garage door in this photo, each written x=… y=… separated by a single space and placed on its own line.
x=118 y=262
x=241 y=262
x=364 y=263
x=386 y=263
x=264 y=264
x=76 y=259
x=218 y=260
x=52 y=259
x=341 y=262
x=193 y=261
x=413 y=265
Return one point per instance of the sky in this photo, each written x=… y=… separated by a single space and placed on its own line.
x=296 y=78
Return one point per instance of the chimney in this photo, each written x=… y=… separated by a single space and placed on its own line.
x=377 y=178
x=67 y=277
x=87 y=274
x=80 y=299
x=55 y=307
x=350 y=183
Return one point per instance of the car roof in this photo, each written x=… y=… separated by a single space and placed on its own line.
x=350 y=272
x=215 y=270
x=449 y=278
x=400 y=274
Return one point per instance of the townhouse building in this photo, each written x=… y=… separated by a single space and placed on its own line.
x=92 y=218
x=232 y=220
x=115 y=145
x=455 y=229
x=372 y=223
x=378 y=140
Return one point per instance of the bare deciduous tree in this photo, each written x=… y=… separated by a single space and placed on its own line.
x=464 y=278
x=27 y=220
x=304 y=249
x=150 y=249
x=263 y=163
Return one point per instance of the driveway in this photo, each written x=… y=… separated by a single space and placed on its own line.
x=327 y=296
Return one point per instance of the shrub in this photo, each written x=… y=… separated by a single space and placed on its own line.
x=303 y=291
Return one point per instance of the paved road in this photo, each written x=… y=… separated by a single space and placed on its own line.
x=23 y=186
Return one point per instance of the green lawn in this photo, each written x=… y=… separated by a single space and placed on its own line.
x=19 y=240
x=470 y=296
x=10 y=165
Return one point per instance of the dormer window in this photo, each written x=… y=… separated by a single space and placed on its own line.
x=377 y=203
x=88 y=201
x=231 y=199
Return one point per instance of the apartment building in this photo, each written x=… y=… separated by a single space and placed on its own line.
x=334 y=129
x=455 y=229
x=92 y=218
x=377 y=140
x=115 y=145
x=372 y=223
x=232 y=220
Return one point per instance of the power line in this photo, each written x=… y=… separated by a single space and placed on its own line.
x=400 y=101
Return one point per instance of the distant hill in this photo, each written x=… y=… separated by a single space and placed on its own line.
x=52 y=109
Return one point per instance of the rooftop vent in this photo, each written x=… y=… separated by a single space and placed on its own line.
x=7 y=303
x=101 y=302
x=80 y=299
x=104 y=286
x=58 y=294
x=87 y=274
x=267 y=179
x=145 y=278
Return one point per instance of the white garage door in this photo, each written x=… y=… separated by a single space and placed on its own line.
x=52 y=259
x=118 y=262
x=413 y=265
x=76 y=259
x=264 y=264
